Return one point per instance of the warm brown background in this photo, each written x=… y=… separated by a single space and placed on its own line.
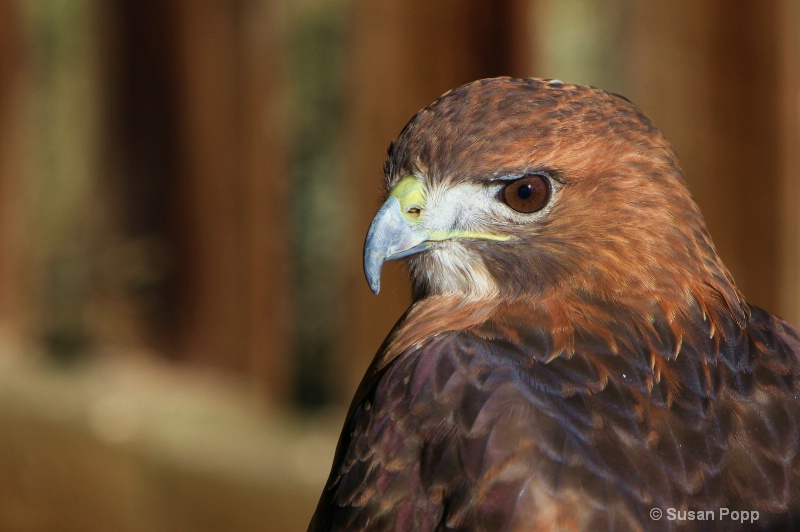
x=184 y=190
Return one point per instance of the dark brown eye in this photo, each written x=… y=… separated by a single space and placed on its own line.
x=527 y=194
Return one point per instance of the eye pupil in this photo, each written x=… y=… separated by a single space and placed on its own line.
x=525 y=191
x=527 y=194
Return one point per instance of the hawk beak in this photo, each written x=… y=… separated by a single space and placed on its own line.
x=392 y=235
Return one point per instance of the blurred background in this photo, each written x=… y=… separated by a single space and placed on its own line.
x=184 y=190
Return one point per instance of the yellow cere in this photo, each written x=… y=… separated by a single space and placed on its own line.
x=410 y=192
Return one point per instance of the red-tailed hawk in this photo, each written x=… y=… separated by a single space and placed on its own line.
x=577 y=357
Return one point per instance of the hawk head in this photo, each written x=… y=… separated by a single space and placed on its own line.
x=523 y=187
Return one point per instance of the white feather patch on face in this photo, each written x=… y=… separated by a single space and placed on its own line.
x=452 y=213
x=464 y=207
x=455 y=214
x=451 y=268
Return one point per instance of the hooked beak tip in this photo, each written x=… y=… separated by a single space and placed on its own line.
x=390 y=237
x=372 y=270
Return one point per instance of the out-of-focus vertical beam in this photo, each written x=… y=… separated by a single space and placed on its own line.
x=15 y=163
x=232 y=200
x=788 y=13
x=265 y=200
x=64 y=211
x=211 y=295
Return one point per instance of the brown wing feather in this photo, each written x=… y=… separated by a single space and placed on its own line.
x=484 y=430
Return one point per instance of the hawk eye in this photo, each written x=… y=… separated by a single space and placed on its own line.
x=527 y=194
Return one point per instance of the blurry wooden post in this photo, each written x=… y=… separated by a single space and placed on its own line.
x=15 y=162
x=266 y=199
x=402 y=55
x=61 y=208
x=722 y=84
x=788 y=13
x=233 y=191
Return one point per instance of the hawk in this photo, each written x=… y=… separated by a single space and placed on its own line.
x=577 y=356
